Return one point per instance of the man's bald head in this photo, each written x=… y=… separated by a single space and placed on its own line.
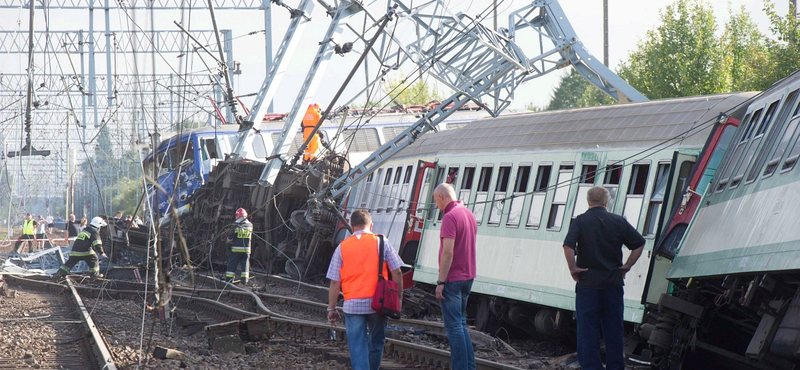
x=443 y=195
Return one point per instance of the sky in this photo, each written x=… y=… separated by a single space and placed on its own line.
x=629 y=20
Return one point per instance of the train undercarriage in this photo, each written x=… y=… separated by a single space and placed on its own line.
x=735 y=321
x=290 y=237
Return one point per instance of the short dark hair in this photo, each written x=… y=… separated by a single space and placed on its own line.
x=360 y=217
x=597 y=196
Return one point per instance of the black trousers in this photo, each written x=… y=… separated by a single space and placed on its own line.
x=25 y=238
x=91 y=261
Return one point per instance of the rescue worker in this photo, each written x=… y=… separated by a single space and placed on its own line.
x=310 y=120
x=239 y=255
x=28 y=233
x=86 y=244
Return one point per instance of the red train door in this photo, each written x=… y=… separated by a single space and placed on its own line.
x=415 y=217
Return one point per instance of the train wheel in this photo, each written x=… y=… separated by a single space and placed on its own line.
x=294 y=267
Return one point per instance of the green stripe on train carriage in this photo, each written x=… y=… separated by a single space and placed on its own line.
x=537 y=294
x=771 y=257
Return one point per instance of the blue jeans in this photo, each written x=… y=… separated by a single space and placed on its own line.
x=595 y=309
x=366 y=335
x=454 y=313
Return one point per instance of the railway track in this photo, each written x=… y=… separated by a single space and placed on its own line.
x=258 y=322
x=316 y=310
x=58 y=310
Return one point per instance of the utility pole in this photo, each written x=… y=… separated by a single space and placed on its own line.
x=605 y=32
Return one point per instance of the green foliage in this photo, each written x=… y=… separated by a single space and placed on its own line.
x=785 y=50
x=401 y=92
x=681 y=57
x=574 y=91
x=127 y=193
x=570 y=90
x=744 y=50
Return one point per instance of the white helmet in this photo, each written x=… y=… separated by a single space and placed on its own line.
x=98 y=222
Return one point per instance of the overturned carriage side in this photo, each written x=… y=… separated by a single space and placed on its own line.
x=737 y=270
x=524 y=176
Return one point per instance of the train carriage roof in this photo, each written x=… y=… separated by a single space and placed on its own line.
x=619 y=126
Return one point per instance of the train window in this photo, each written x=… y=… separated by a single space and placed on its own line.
x=401 y=203
x=498 y=202
x=586 y=181
x=209 y=148
x=397 y=176
x=383 y=195
x=791 y=158
x=634 y=200
x=482 y=193
x=439 y=179
x=424 y=195
x=588 y=173
x=393 y=196
x=611 y=180
x=466 y=184
x=539 y=194
x=559 y=205
x=733 y=160
x=364 y=190
x=181 y=155
x=518 y=200
x=656 y=199
x=773 y=136
x=758 y=134
x=782 y=146
x=452 y=177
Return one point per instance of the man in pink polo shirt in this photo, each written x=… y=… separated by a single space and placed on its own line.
x=456 y=272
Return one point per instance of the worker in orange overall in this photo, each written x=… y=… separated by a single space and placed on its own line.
x=310 y=120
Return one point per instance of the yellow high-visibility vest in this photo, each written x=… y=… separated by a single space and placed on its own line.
x=27 y=227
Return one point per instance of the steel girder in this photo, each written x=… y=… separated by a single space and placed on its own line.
x=316 y=73
x=138 y=4
x=122 y=42
x=559 y=46
x=277 y=70
x=479 y=63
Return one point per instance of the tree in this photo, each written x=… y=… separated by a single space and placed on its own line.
x=681 y=57
x=745 y=54
x=569 y=92
x=401 y=92
x=784 y=52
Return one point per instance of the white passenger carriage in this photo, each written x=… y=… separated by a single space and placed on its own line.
x=525 y=176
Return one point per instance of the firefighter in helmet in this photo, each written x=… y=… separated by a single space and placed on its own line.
x=239 y=254
x=83 y=249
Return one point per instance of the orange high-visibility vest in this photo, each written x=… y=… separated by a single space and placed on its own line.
x=309 y=122
x=359 y=272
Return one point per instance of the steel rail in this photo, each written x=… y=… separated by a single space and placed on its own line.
x=99 y=354
x=255 y=326
x=479 y=338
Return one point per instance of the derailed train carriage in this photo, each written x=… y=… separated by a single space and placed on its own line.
x=287 y=239
x=730 y=291
x=723 y=283
x=735 y=277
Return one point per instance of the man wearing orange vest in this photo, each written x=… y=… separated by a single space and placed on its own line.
x=354 y=269
x=310 y=120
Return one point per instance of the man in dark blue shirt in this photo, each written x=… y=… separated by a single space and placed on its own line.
x=596 y=237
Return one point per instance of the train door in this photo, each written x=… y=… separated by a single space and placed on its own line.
x=671 y=179
x=415 y=217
